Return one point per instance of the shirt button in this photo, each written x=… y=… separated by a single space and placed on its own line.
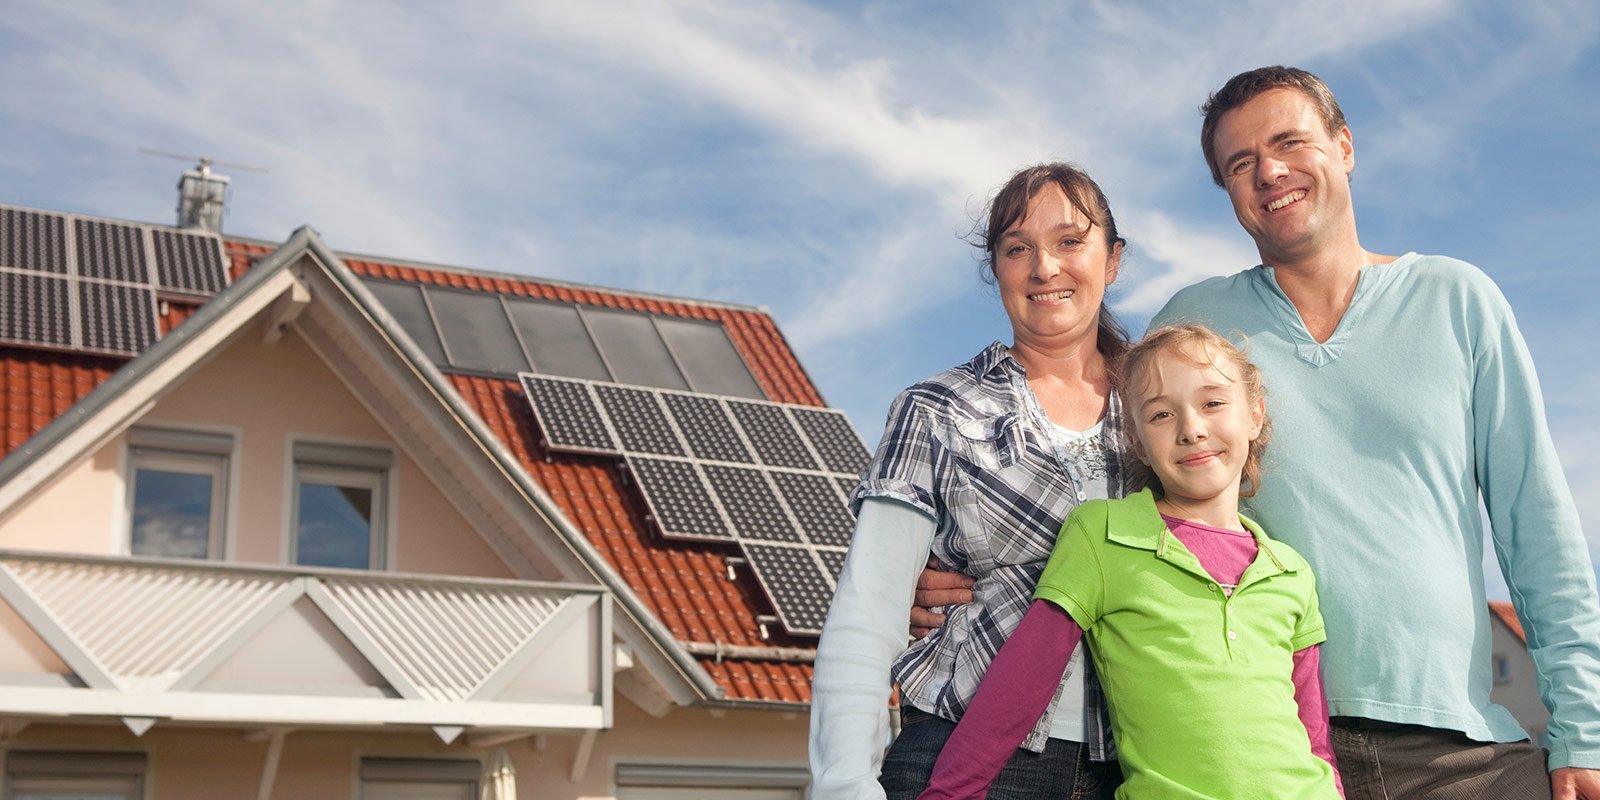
x=1232 y=635
x=1211 y=586
x=1082 y=496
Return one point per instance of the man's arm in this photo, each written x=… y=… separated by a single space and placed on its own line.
x=936 y=589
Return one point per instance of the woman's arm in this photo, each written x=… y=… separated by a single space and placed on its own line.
x=864 y=633
x=1313 y=704
x=1015 y=692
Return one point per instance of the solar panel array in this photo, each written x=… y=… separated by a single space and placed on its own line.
x=772 y=478
x=68 y=281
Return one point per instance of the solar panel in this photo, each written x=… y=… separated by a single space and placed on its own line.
x=794 y=581
x=832 y=562
x=678 y=499
x=832 y=437
x=638 y=420
x=32 y=240
x=568 y=416
x=822 y=515
x=752 y=505
x=189 y=262
x=33 y=309
x=848 y=486
x=110 y=250
x=775 y=439
x=115 y=317
x=705 y=423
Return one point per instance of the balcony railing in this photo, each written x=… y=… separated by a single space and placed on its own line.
x=197 y=641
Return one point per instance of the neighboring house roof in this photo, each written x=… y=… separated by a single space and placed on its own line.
x=1507 y=614
x=685 y=585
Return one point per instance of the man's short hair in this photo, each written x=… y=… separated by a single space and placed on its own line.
x=1245 y=86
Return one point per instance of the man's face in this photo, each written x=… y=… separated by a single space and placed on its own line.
x=1287 y=176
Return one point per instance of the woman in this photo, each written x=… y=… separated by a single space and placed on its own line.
x=979 y=465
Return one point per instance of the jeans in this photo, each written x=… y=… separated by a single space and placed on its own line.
x=1062 y=772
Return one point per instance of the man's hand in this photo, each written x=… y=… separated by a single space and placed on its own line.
x=1573 y=783
x=936 y=588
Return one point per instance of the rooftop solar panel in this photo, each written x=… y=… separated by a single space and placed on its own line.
x=568 y=416
x=705 y=423
x=752 y=505
x=848 y=486
x=679 y=501
x=34 y=309
x=816 y=505
x=833 y=438
x=33 y=240
x=775 y=439
x=832 y=562
x=794 y=580
x=191 y=263
x=111 y=250
x=637 y=418
x=117 y=318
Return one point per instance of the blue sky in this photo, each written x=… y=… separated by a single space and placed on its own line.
x=825 y=159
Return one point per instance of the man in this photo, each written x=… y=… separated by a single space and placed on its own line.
x=1401 y=389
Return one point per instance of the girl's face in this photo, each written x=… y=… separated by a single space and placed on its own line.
x=1194 y=426
x=1052 y=267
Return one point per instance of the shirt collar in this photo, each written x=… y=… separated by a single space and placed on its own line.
x=993 y=358
x=1135 y=522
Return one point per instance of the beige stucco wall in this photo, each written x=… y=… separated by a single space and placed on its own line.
x=266 y=395
x=1520 y=695
x=202 y=763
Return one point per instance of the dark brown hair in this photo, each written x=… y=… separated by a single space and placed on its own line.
x=1245 y=86
x=1201 y=347
x=1009 y=206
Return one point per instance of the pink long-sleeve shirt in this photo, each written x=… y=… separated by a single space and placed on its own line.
x=1018 y=686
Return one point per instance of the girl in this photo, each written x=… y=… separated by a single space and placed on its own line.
x=1203 y=630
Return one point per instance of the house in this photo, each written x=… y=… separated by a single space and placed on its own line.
x=281 y=522
x=1516 y=683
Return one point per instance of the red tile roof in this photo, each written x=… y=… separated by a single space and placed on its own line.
x=1507 y=614
x=686 y=585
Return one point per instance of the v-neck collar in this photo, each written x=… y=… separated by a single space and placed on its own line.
x=1306 y=347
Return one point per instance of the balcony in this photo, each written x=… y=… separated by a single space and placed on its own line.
x=198 y=642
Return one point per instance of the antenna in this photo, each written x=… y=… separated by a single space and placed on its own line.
x=202 y=194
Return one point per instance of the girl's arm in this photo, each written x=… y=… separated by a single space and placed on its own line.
x=1313 y=704
x=864 y=633
x=1015 y=692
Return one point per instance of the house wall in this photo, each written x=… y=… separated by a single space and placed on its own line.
x=267 y=395
x=1520 y=695
x=205 y=763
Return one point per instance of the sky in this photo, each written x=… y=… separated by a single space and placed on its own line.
x=824 y=160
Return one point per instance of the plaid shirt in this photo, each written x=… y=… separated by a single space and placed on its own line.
x=970 y=447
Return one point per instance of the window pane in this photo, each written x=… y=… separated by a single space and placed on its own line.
x=557 y=340
x=335 y=527
x=477 y=333
x=405 y=304
x=709 y=358
x=406 y=790
x=171 y=514
x=633 y=349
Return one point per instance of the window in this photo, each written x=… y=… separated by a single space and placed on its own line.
x=419 y=779
x=687 y=782
x=1502 y=669
x=74 y=776
x=340 y=506
x=177 y=492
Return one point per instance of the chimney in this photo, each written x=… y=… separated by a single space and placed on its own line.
x=201 y=194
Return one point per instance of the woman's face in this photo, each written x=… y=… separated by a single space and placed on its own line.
x=1052 y=267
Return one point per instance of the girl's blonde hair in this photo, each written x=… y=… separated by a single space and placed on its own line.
x=1201 y=347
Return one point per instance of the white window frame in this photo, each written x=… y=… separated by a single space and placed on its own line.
x=349 y=466
x=189 y=452
x=80 y=773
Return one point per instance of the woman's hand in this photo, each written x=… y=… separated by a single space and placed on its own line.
x=936 y=588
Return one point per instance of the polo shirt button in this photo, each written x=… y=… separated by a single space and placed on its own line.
x=1232 y=635
x=1082 y=496
x=1211 y=586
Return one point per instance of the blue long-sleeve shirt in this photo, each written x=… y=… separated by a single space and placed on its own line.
x=1424 y=396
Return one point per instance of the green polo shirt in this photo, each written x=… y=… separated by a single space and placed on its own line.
x=1202 y=704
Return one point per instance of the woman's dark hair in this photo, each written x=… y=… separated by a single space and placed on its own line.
x=1009 y=206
